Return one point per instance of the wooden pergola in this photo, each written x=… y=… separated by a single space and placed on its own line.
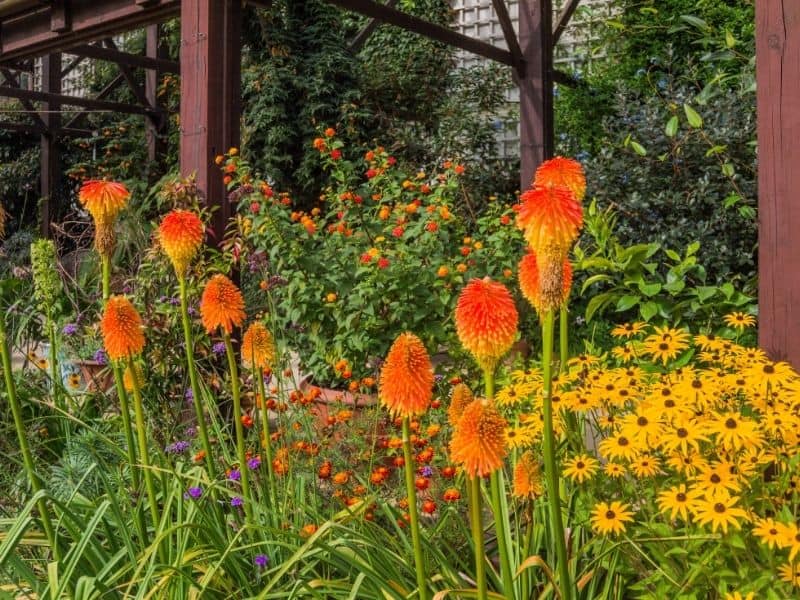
x=210 y=70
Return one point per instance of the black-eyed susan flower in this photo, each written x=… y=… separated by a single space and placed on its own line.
x=678 y=501
x=646 y=465
x=520 y=436
x=790 y=533
x=614 y=470
x=769 y=533
x=665 y=344
x=739 y=320
x=628 y=330
x=720 y=512
x=734 y=431
x=790 y=573
x=580 y=468
x=611 y=518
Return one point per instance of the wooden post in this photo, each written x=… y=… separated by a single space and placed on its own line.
x=155 y=125
x=210 y=64
x=778 y=73
x=50 y=162
x=535 y=87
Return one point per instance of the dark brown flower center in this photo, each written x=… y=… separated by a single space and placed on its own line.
x=769 y=369
x=731 y=423
x=720 y=508
x=663 y=347
x=715 y=478
x=680 y=497
x=642 y=421
x=610 y=514
x=579 y=465
x=681 y=432
x=623 y=441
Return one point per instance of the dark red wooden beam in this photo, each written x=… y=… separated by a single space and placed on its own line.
x=92 y=103
x=211 y=48
x=34 y=128
x=392 y=16
x=11 y=79
x=778 y=104
x=536 y=142
x=563 y=19
x=114 y=55
x=509 y=34
x=105 y=92
x=31 y=33
x=363 y=35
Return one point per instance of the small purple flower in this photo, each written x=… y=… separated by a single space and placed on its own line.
x=261 y=561
x=267 y=378
x=191 y=432
x=236 y=502
x=101 y=357
x=188 y=395
x=178 y=447
x=174 y=301
x=254 y=463
x=126 y=289
x=163 y=299
x=235 y=475
x=70 y=329
x=218 y=348
x=194 y=493
x=426 y=471
x=192 y=311
x=438 y=377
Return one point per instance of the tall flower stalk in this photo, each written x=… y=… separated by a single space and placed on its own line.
x=22 y=436
x=406 y=389
x=222 y=309
x=181 y=235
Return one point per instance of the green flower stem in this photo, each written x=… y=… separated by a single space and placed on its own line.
x=259 y=373
x=563 y=338
x=105 y=261
x=196 y=397
x=550 y=464
x=411 y=491
x=55 y=373
x=27 y=457
x=474 y=493
x=124 y=409
x=144 y=454
x=499 y=507
x=237 y=423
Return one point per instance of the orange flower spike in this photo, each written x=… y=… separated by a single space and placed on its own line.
x=121 y=326
x=486 y=320
x=459 y=400
x=222 y=305
x=405 y=386
x=478 y=441
x=181 y=234
x=550 y=218
x=103 y=199
x=258 y=347
x=560 y=171
x=530 y=284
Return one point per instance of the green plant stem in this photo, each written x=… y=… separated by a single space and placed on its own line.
x=272 y=493
x=411 y=491
x=105 y=261
x=144 y=454
x=499 y=507
x=550 y=464
x=124 y=409
x=55 y=375
x=563 y=338
x=27 y=457
x=474 y=491
x=195 y=386
x=237 y=423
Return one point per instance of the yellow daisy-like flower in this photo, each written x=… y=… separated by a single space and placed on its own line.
x=775 y=375
x=738 y=596
x=514 y=394
x=619 y=446
x=580 y=468
x=790 y=534
x=520 y=437
x=678 y=501
x=645 y=466
x=769 y=532
x=611 y=518
x=720 y=512
x=614 y=470
x=717 y=480
x=624 y=353
x=739 y=320
x=628 y=330
x=735 y=432
x=666 y=344
x=790 y=573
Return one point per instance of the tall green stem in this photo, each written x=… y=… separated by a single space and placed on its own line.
x=476 y=523
x=563 y=338
x=237 y=423
x=105 y=261
x=550 y=464
x=27 y=457
x=125 y=409
x=259 y=374
x=188 y=343
x=411 y=491
x=144 y=454
x=499 y=507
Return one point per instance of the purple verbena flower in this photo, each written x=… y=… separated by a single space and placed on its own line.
x=426 y=471
x=254 y=463
x=191 y=432
x=236 y=502
x=218 y=348
x=234 y=475
x=178 y=447
x=101 y=357
x=261 y=561
x=174 y=301
x=70 y=329
x=194 y=493
x=126 y=289
x=188 y=395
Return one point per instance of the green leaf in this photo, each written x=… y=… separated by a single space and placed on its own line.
x=692 y=248
x=627 y=302
x=648 y=310
x=728 y=169
x=672 y=254
x=694 y=21
x=730 y=41
x=638 y=148
x=649 y=289
x=695 y=120
x=596 y=303
x=672 y=127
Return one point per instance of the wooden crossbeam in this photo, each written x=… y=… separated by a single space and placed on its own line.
x=12 y=80
x=563 y=19
x=112 y=54
x=501 y=10
x=91 y=103
x=71 y=65
x=34 y=129
x=126 y=72
x=105 y=92
x=363 y=35
x=392 y=16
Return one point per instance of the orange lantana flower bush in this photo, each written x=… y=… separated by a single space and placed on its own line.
x=463 y=445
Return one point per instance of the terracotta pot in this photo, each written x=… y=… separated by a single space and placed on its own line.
x=98 y=376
